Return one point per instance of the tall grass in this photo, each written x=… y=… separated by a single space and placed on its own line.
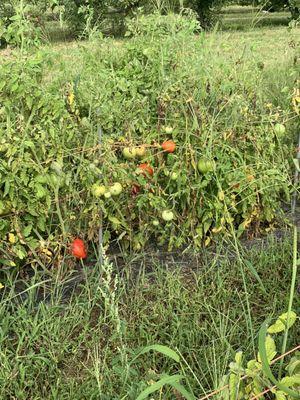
x=80 y=345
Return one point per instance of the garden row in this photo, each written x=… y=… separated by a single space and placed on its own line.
x=189 y=149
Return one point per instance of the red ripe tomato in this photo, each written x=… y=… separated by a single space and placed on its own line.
x=147 y=169
x=169 y=146
x=78 y=249
x=135 y=189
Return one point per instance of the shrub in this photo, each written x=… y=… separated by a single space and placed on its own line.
x=19 y=24
x=105 y=15
x=6 y=12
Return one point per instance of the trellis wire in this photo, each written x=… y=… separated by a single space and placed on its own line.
x=259 y=395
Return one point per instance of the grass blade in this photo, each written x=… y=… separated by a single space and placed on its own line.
x=160 y=349
x=167 y=380
x=257 y=277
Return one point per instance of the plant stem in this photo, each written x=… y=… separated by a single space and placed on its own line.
x=292 y=291
x=241 y=264
x=295 y=260
x=58 y=211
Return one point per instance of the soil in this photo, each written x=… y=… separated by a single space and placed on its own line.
x=186 y=258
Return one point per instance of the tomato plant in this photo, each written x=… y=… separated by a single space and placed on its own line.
x=225 y=167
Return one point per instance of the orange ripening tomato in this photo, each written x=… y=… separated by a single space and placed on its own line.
x=147 y=169
x=78 y=249
x=169 y=146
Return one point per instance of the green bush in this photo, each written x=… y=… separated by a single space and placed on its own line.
x=6 y=12
x=86 y=15
x=19 y=23
x=162 y=84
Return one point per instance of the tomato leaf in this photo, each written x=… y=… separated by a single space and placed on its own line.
x=284 y=321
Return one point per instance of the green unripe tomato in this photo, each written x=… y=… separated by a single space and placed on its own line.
x=116 y=189
x=279 y=129
x=107 y=195
x=168 y=130
x=129 y=153
x=174 y=176
x=98 y=190
x=204 y=166
x=137 y=246
x=155 y=222
x=140 y=151
x=167 y=215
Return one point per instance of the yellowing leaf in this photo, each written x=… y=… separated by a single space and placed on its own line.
x=12 y=238
x=47 y=252
x=207 y=241
x=247 y=222
x=71 y=98
x=193 y=163
x=281 y=323
x=217 y=230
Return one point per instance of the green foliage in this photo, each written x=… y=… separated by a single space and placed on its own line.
x=18 y=24
x=276 y=5
x=242 y=382
x=206 y=10
x=52 y=346
x=32 y=121
x=256 y=378
x=143 y=93
x=281 y=323
x=84 y=15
